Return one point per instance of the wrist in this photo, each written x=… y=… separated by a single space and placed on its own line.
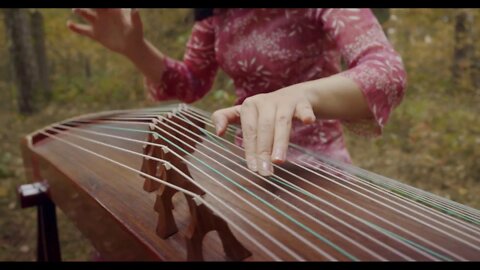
x=136 y=49
x=336 y=97
x=315 y=95
x=148 y=60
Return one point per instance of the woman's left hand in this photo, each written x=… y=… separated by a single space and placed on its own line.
x=266 y=121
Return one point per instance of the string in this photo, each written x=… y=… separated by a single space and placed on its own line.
x=367 y=224
x=416 y=202
x=449 y=218
x=271 y=194
x=193 y=109
x=461 y=240
x=316 y=198
x=267 y=191
x=402 y=191
x=268 y=216
x=395 y=210
x=136 y=119
x=306 y=228
x=290 y=185
x=447 y=251
x=193 y=195
x=318 y=209
x=238 y=137
x=428 y=199
x=369 y=212
x=149 y=157
x=388 y=206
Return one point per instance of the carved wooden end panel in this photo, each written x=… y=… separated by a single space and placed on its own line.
x=159 y=148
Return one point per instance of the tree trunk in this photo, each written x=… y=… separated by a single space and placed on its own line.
x=475 y=68
x=38 y=34
x=463 y=48
x=17 y=22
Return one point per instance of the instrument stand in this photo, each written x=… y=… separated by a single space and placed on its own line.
x=48 y=245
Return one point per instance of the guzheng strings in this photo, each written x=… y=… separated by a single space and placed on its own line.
x=437 y=214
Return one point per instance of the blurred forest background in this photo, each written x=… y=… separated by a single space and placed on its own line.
x=431 y=142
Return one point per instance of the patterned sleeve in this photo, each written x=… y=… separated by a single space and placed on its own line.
x=372 y=63
x=190 y=79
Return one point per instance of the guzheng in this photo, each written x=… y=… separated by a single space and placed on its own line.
x=158 y=184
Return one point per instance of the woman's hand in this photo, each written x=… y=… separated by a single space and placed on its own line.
x=119 y=30
x=266 y=121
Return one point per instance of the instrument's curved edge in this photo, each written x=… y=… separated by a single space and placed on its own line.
x=39 y=169
x=74 y=201
x=36 y=136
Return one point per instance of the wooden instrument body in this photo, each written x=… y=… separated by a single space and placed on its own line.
x=109 y=205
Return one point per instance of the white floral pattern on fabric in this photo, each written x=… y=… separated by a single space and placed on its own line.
x=264 y=50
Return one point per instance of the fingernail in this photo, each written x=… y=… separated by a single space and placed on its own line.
x=252 y=165
x=266 y=168
x=278 y=155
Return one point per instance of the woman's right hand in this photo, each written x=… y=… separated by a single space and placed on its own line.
x=119 y=30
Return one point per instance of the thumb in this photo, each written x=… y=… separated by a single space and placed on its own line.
x=221 y=118
x=135 y=17
x=81 y=29
x=304 y=112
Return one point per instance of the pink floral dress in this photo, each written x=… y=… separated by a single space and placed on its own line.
x=264 y=50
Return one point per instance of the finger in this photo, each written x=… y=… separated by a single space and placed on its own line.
x=86 y=13
x=283 y=125
x=104 y=10
x=135 y=17
x=248 y=119
x=221 y=118
x=265 y=133
x=82 y=29
x=304 y=112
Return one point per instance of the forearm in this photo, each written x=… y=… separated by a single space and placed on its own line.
x=148 y=59
x=336 y=97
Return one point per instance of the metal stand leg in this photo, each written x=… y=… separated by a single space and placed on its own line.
x=48 y=245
